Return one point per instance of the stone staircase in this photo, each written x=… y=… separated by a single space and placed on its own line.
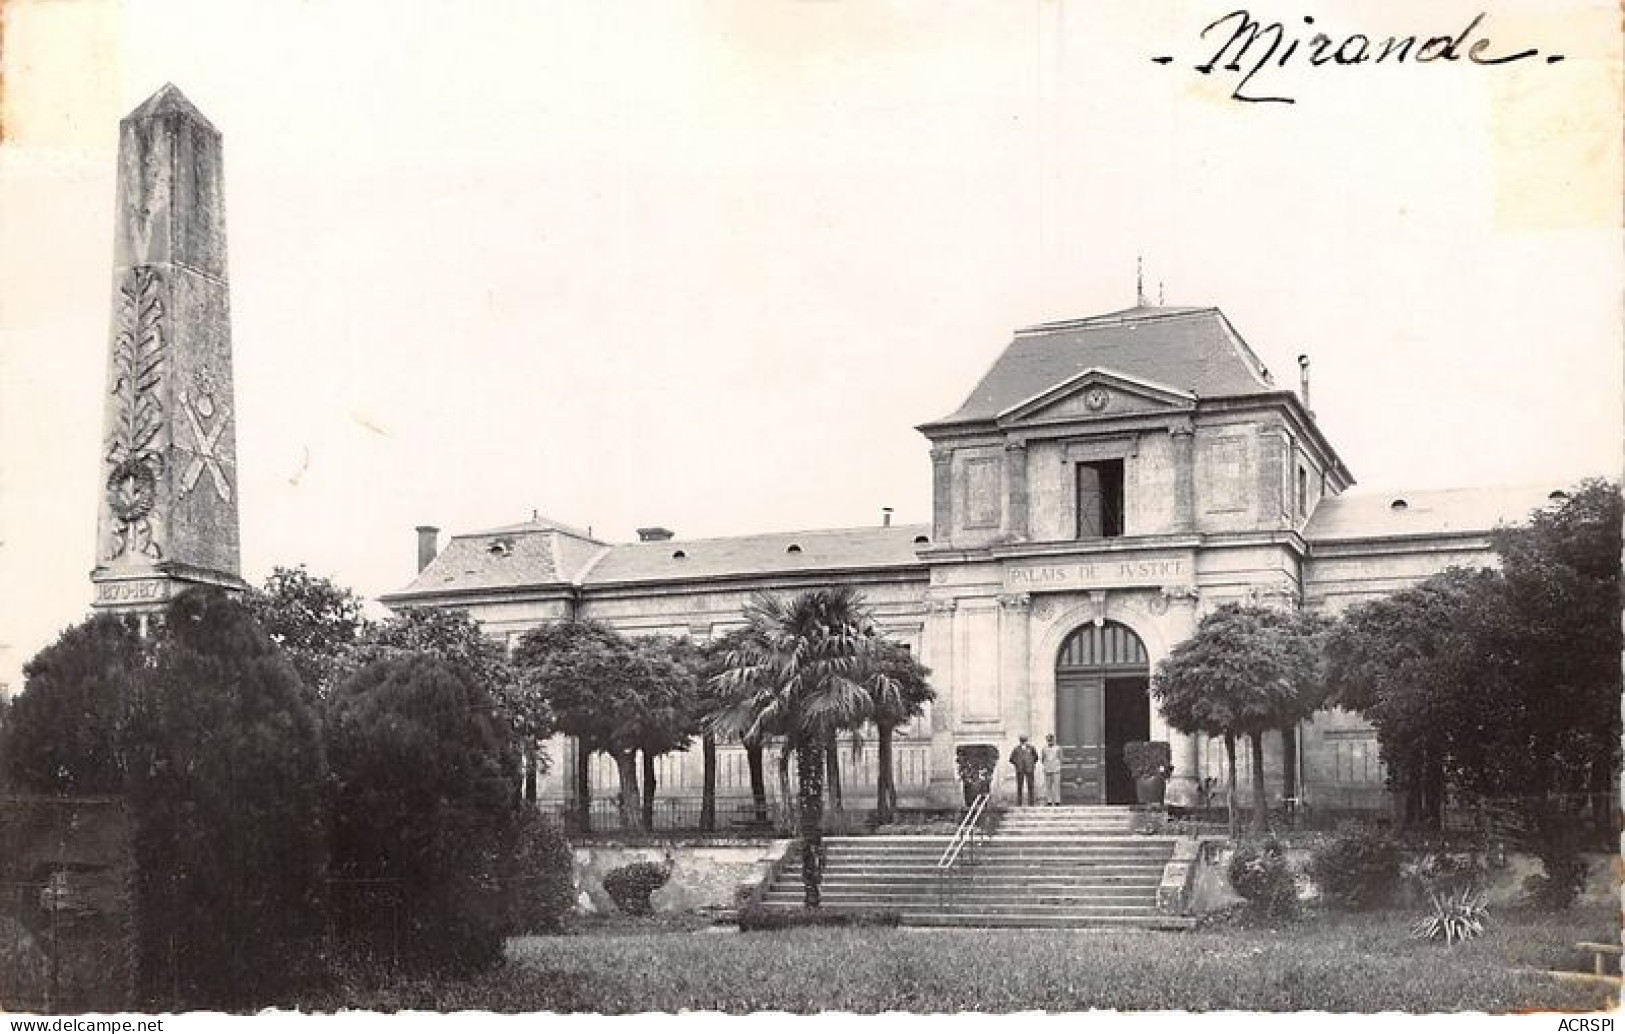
x=1044 y=867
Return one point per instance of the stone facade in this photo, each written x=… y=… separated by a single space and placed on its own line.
x=168 y=512
x=1109 y=482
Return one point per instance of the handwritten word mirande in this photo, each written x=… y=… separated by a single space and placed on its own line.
x=1254 y=48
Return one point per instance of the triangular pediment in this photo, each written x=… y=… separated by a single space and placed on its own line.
x=1097 y=394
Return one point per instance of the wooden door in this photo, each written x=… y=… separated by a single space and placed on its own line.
x=1079 y=720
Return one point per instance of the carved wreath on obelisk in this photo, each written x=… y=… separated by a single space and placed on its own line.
x=132 y=450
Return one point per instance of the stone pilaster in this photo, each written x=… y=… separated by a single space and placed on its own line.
x=1015 y=468
x=1015 y=611
x=937 y=644
x=1181 y=603
x=169 y=502
x=942 y=494
x=1184 y=438
x=1273 y=511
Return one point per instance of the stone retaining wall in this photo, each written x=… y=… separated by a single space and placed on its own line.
x=703 y=875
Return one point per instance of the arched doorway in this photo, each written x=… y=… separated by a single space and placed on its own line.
x=1102 y=701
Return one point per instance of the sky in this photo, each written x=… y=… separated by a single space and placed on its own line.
x=707 y=265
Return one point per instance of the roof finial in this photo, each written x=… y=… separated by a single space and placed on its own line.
x=1159 y=292
x=1139 y=280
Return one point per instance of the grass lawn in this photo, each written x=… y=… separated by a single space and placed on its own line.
x=1363 y=963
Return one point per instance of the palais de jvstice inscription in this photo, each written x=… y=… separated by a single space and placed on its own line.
x=1149 y=572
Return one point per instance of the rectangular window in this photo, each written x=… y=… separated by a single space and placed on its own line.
x=1303 y=494
x=1100 y=499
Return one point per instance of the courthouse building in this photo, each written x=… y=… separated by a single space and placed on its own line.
x=1108 y=481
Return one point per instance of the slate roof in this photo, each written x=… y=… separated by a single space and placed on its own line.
x=537 y=552
x=1362 y=515
x=544 y=552
x=1190 y=349
x=769 y=554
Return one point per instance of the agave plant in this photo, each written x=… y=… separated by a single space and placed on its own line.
x=1457 y=916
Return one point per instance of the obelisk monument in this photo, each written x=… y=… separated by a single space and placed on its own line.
x=168 y=515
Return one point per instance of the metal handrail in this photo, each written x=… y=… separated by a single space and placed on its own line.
x=970 y=828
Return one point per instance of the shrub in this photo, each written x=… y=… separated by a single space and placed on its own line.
x=425 y=801
x=1442 y=870
x=1357 y=867
x=976 y=763
x=1456 y=916
x=1261 y=874
x=226 y=780
x=541 y=883
x=65 y=730
x=758 y=917
x=1557 y=840
x=630 y=886
x=1148 y=759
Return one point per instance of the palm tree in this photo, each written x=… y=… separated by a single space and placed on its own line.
x=899 y=692
x=802 y=667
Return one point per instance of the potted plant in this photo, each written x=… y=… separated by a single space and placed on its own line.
x=1149 y=762
x=976 y=763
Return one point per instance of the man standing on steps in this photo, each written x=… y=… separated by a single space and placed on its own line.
x=1052 y=770
x=1025 y=759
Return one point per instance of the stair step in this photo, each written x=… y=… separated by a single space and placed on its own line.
x=1052 y=922
x=1145 y=892
x=1044 y=880
x=1006 y=858
x=911 y=915
x=1127 y=867
x=1060 y=868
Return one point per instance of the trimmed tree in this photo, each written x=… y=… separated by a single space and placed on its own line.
x=1499 y=683
x=456 y=638
x=226 y=783
x=1407 y=664
x=424 y=801
x=1561 y=570
x=608 y=692
x=313 y=619
x=65 y=731
x=1247 y=670
x=665 y=722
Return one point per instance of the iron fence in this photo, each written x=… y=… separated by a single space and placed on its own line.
x=686 y=815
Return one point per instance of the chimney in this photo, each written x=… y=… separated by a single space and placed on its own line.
x=655 y=534
x=885 y=516
x=428 y=544
x=1303 y=382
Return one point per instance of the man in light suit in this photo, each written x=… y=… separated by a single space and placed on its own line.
x=1051 y=759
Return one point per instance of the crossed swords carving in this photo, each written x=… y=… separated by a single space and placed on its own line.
x=206 y=456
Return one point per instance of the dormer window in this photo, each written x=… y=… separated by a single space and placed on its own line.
x=793 y=548
x=500 y=548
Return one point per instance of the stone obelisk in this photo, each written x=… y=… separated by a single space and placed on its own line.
x=168 y=515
